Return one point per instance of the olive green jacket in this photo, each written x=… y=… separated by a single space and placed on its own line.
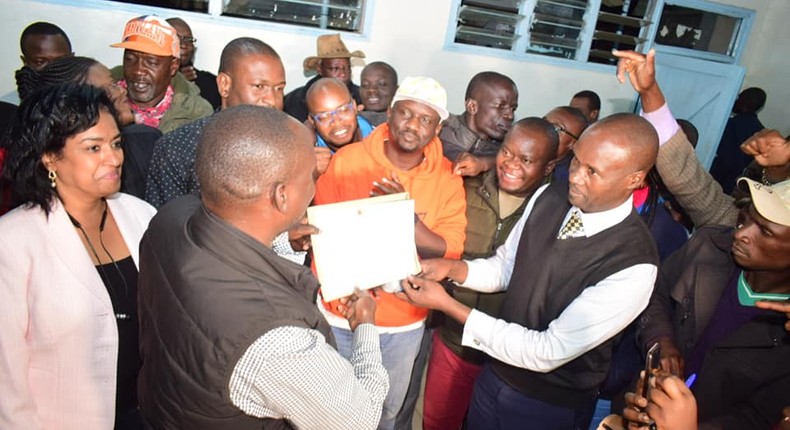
x=187 y=104
x=485 y=232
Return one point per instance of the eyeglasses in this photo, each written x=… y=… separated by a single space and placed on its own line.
x=561 y=129
x=343 y=111
x=187 y=40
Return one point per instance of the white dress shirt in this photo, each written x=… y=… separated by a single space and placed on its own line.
x=292 y=373
x=597 y=314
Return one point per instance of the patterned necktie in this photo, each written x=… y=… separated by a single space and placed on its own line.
x=572 y=227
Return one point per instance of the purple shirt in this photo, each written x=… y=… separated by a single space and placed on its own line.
x=663 y=121
x=728 y=316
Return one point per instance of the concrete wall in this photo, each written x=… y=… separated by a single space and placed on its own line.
x=409 y=34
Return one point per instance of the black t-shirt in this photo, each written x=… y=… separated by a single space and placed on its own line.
x=120 y=279
x=207 y=82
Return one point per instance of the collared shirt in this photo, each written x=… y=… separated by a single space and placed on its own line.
x=663 y=121
x=171 y=173
x=292 y=373
x=363 y=126
x=597 y=314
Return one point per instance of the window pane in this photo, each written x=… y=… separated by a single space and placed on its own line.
x=556 y=28
x=698 y=30
x=488 y=23
x=618 y=27
x=330 y=14
x=191 y=5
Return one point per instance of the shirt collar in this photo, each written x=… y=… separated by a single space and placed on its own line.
x=597 y=222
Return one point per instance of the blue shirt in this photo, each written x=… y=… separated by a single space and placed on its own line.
x=363 y=126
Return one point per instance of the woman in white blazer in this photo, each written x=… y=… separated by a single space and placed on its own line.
x=68 y=269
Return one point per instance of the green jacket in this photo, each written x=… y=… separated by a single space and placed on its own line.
x=485 y=232
x=187 y=104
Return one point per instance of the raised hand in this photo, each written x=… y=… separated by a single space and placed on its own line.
x=769 y=148
x=641 y=71
x=640 y=68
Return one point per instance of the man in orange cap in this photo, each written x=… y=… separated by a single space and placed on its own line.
x=160 y=97
x=332 y=60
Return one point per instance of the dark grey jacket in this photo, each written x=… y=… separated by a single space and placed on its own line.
x=744 y=380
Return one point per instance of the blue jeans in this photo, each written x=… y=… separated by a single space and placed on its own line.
x=497 y=406
x=398 y=352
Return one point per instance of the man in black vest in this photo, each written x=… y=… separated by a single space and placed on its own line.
x=578 y=268
x=230 y=335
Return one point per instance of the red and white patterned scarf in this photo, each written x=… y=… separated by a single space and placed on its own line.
x=151 y=116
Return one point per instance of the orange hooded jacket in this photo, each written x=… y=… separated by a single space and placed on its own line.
x=439 y=201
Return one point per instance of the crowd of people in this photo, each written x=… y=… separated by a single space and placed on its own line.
x=156 y=268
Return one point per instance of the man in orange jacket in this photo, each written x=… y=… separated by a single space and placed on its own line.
x=404 y=154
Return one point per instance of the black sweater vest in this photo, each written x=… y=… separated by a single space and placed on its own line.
x=207 y=292
x=549 y=274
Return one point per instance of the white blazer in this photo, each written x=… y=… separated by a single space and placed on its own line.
x=58 y=335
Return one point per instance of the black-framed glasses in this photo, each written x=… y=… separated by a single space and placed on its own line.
x=187 y=40
x=327 y=117
x=561 y=129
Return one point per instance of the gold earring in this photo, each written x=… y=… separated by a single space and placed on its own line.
x=52 y=178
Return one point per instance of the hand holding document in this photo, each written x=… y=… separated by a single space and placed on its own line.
x=363 y=243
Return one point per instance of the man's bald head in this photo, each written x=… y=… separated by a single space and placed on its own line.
x=576 y=121
x=611 y=160
x=244 y=151
x=589 y=103
x=632 y=133
x=526 y=156
x=385 y=68
x=570 y=123
x=43 y=42
x=251 y=73
x=242 y=47
x=750 y=100
x=544 y=131
x=482 y=80
x=332 y=112
x=491 y=102
x=325 y=88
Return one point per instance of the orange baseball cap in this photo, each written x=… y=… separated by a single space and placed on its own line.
x=152 y=35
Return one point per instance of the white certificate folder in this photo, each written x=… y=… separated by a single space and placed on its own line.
x=363 y=243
